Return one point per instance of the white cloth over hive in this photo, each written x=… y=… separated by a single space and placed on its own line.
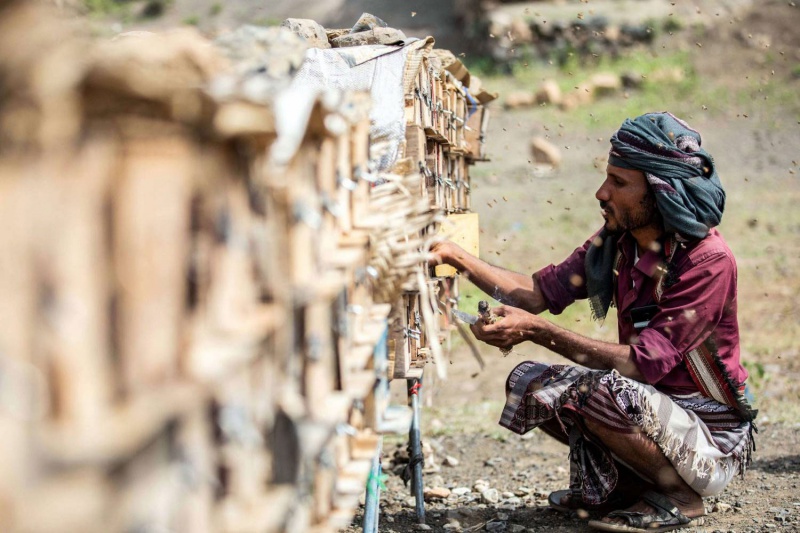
x=378 y=69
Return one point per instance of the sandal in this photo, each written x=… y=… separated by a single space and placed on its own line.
x=666 y=517
x=576 y=503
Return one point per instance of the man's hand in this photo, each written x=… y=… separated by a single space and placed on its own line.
x=510 y=327
x=444 y=252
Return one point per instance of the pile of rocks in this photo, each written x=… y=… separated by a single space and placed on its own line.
x=369 y=29
x=549 y=92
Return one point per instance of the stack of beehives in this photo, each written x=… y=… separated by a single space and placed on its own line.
x=446 y=122
x=194 y=294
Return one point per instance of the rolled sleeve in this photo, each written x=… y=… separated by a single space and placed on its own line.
x=564 y=283
x=655 y=356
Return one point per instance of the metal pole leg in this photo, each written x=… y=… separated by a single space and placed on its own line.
x=371 y=506
x=417 y=461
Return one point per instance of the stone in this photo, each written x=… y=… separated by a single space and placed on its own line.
x=549 y=93
x=518 y=99
x=461 y=491
x=569 y=102
x=262 y=53
x=436 y=493
x=449 y=460
x=490 y=496
x=507 y=495
x=427 y=448
x=495 y=526
x=545 y=152
x=516 y=528
x=373 y=36
x=520 y=31
x=411 y=501
x=308 y=29
x=605 y=83
x=721 y=507
x=631 y=80
x=612 y=33
x=668 y=75
x=452 y=526
x=513 y=501
x=480 y=484
x=368 y=21
x=422 y=527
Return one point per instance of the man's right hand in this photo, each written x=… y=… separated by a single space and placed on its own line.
x=443 y=253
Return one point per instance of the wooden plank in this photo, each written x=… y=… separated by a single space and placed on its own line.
x=151 y=229
x=415 y=143
x=22 y=198
x=304 y=208
x=324 y=483
x=364 y=445
x=78 y=500
x=75 y=338
x=319 y=372
x=265 y=514
x=344 y=181
x=326 y=186
x=474 y=133
x=121 y=431
x=198 y=457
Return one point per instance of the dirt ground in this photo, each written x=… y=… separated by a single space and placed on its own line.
x=530 y=218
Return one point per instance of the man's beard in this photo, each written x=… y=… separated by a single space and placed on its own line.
x=647 y=214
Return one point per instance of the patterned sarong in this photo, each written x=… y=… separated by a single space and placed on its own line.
x=706 y=441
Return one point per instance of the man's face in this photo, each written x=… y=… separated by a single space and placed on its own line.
x=626 y=200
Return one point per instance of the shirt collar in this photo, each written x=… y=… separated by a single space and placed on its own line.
x=649 y=262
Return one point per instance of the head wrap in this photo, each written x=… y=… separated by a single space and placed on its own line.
x=688 y=191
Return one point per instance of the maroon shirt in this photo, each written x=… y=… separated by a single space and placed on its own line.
x=701 y=302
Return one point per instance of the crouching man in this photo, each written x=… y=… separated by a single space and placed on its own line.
x=659 y=420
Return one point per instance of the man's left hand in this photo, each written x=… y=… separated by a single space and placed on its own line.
x=511 y=327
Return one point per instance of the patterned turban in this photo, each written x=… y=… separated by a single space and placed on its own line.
x=688 y=192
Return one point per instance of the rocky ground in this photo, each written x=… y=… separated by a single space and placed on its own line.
x=502 y=485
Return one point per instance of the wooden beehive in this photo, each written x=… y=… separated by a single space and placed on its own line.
x=196 y=337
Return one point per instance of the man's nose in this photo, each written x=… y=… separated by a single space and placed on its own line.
x=602 y=193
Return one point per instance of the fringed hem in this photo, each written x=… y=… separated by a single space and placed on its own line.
x=674 y=447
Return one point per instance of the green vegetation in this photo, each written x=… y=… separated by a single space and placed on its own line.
x=124 y=10
x=192 y=20
x=267 y=21
x=105 y=7
x=215 y=9
x=474 y=417
x=663 y=80
x=672 y=24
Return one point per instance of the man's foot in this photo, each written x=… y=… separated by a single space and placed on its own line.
x=564 y=501
x=655 y=512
